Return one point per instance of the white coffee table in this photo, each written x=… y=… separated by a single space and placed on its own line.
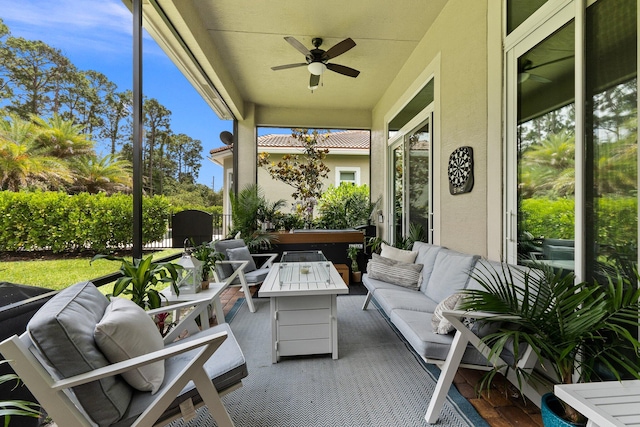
x=213 y=294
x=304 y=316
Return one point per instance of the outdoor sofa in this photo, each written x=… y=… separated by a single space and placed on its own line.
x=419 y=290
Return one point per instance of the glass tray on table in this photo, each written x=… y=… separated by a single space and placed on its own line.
x=308 y=267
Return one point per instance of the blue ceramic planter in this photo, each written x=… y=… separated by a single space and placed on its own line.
x=550 y=408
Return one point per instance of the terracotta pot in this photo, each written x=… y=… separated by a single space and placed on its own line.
x=204 y=285
x=356 y=276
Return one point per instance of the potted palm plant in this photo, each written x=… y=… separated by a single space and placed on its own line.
x=579 y=331
x=356 y=274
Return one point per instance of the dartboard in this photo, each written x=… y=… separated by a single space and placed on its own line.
x=460 y=170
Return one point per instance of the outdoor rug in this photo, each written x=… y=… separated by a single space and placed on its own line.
x=377 y=380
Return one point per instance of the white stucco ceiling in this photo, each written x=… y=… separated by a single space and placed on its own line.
x=236 y=42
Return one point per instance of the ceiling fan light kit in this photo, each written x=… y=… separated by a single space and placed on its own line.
x=317 y=60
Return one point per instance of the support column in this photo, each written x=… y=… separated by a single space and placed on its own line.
x=245 y=149
x=137 y=129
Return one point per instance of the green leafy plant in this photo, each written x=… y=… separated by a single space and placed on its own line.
x=22 y=408
x=352 y=253
x=140 y=278
x=416 y=234
x=247 y=208
x=344 y=206
x=576 y=330
x=208 y=256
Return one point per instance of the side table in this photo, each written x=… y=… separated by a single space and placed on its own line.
x=213 y=294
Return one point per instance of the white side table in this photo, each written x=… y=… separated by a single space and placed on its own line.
x=213 y=294
x=608 y=403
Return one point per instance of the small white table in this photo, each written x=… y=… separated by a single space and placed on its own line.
x=608 y=403
x=304 y=316
x=213 y=294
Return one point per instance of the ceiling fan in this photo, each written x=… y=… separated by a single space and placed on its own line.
x=317 y=59
x=525 y=73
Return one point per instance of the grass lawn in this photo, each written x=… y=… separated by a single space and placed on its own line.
x=59 y=274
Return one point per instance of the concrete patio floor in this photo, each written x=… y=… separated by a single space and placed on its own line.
x=502 y=407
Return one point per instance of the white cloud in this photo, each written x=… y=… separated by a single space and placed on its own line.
x=96 y=25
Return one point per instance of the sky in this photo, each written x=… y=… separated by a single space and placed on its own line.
x=97 y=35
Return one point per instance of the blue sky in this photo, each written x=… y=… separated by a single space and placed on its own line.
x=96 y=35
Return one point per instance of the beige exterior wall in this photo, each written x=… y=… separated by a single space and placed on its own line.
x=458 y=60
x=275 y=190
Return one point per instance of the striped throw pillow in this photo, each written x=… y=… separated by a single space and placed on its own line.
x=398 y=273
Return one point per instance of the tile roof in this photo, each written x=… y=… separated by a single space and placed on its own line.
x=349 y=139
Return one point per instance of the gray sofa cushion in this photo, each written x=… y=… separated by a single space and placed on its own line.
x=373 y=285
x=427 y=257
x=227 y=367
x=404 y=299
x=63 y=331
x=450 y=274
x=416 y=328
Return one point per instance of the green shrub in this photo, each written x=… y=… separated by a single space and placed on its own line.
x=60 y=222
x=617 y=221
x=344 y=206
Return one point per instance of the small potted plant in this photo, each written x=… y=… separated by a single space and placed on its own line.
x=356 y=274
x=140 y=277
x=207 y=255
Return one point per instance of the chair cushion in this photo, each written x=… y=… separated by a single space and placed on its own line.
x=226 y=270
x=226 y=368
x=241 y=254
x=391 y=271
x=253 y=277
x=398 y=254
x=62 y=330
x=126 y=331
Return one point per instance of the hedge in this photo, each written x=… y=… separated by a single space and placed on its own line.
x=62 y=222
x=617 y=219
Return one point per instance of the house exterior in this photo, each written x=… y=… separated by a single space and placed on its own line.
x=348 y=161
x=449 y=90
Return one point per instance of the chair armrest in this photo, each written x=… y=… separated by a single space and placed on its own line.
x=460 y=314
x=238 y=271
x=135 y=362
x=270 y=258
x=179 y=305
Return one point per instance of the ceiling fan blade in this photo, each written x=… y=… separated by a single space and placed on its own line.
x=544 y=64
x=537 y=78
x=299 y=46
x=284 y=67
x=341 y=69
x=339 y=49
x=314 y=81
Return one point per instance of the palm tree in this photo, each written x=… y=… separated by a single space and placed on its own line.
x=109 y=174
x=61 y=138
x=548 y=167
x=23 y=162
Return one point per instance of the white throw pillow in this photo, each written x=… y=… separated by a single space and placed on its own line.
x=398 y=254
x=439 y=323
x=127 y=331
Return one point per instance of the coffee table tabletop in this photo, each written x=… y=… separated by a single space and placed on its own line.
x=306 y=286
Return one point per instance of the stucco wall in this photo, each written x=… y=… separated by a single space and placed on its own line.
x=460 y=118
x=275 y=190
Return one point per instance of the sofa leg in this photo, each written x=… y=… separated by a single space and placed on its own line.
x=367 y=299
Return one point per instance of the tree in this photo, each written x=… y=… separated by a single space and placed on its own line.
x=61 y=138
x=117 y=105
x=36 y=72
x=304 y=173
x=24 y=162
x=157 y=120
x=108 y=174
